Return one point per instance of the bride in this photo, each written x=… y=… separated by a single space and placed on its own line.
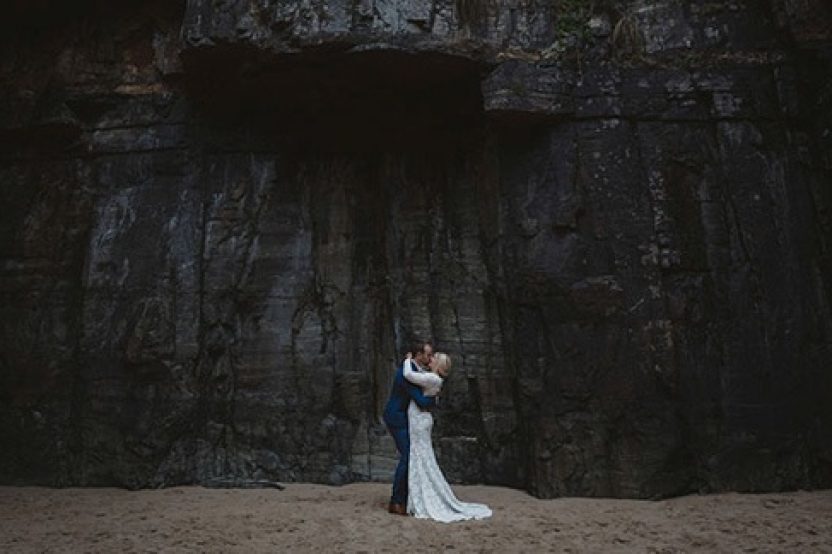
x=429 y=495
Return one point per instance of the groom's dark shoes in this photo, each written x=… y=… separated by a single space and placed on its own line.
x=398 y=509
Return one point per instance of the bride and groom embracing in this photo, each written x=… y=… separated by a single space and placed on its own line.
x=419 y=487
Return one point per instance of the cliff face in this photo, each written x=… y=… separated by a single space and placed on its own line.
x=223 y=220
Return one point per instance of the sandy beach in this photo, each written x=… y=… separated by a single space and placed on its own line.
x=306 y=517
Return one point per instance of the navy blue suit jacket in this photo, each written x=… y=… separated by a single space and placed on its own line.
x=403 y=391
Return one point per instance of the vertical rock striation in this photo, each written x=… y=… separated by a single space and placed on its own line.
x=222 y=221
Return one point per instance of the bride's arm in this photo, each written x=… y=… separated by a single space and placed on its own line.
x=417 y=378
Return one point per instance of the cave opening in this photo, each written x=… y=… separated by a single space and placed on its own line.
x=379 y=153
x=357 y=100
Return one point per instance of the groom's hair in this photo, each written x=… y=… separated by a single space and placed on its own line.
x=418 y=345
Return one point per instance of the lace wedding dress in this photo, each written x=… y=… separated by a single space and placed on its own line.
x=429 y=495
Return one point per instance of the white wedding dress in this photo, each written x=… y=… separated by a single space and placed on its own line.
x=429 y=495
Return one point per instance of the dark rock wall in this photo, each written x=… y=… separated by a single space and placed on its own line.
x=223 y=220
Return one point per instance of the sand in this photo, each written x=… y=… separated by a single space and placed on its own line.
x=352 y=518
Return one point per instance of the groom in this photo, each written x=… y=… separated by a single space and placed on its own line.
x=395 y=416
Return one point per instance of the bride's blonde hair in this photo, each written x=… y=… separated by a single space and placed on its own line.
x=444 y=362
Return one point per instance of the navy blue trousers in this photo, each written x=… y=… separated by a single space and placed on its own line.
x=402 y=438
